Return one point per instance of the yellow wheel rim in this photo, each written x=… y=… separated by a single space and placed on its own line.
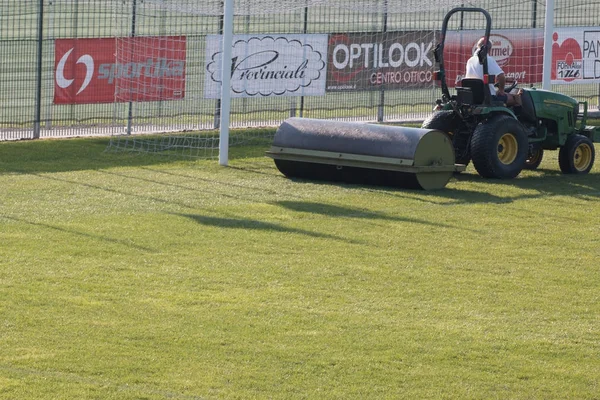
x=507 y=148
x=582 y=158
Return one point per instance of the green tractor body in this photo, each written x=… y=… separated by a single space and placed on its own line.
x=560 y=116
x=501 y=140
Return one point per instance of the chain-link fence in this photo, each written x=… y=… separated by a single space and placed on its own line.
x=33 y=32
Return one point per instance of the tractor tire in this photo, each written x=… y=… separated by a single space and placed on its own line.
x=499 y=148
x=534 y=159
x=577 y=155
x=447 y=122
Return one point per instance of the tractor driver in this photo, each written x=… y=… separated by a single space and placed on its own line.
x=475 y=70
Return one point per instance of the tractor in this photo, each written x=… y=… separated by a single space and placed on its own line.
x=501 y=141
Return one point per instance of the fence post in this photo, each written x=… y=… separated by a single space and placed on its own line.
x=50 y=74
x=217 y=116
x=305 y=31
x=380 y=107
x=38 y=82
x=130 y=111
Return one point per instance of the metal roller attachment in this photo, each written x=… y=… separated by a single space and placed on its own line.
x=363 y=153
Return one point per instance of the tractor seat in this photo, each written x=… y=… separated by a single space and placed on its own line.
x=476 y=86
x=527 y=111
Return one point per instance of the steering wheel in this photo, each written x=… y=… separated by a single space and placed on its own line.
x=511 y=87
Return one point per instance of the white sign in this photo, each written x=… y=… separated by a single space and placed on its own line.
x=576 y=55
x=268 y=65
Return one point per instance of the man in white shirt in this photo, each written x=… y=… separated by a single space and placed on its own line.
x=475 y=70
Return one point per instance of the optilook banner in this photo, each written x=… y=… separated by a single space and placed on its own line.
x=380 y=60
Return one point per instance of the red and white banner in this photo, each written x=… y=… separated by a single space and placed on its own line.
x=519 y=52
x=576 y=55
x=148 y=69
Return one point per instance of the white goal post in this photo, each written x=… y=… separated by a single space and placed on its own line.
x=226 y=82
x=548 y=31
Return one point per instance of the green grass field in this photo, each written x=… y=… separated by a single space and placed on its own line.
x=140 y=277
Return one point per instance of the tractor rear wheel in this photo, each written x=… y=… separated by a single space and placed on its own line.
x=577 y=155
x=534 y=158
x=499 y=147
x=447 y=121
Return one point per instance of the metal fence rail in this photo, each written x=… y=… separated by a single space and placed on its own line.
x=30 y=29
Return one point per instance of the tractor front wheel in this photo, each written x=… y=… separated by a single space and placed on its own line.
x=534 y=158
x=499 y=147
x=577 y=155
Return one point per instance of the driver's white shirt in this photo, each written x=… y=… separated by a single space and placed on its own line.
x=475 y=70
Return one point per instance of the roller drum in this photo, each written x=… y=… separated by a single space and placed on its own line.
x=363 y=153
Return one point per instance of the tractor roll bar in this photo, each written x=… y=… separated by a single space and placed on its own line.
x=439 y=49
x=488 y=25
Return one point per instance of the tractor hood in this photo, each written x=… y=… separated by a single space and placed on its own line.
x=550 y=104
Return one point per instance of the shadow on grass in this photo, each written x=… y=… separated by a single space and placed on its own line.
x=250 y=224
x=202 y=190
x=79 y=233
x=111 y=190
x=546 y=182
x=75 y=154
x=536 y=184
x=439 y=197
x=331 y=210
x=63 y=155
x=214 y=182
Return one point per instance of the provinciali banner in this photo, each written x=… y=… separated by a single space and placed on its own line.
x=269 y=65
x=380 y=60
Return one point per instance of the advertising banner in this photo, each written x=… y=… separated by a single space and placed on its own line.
x=519 y=52
x=149 y=69
x=269 y=65
x=380 y=60
x=576 y=55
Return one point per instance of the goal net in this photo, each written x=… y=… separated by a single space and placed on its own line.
x=360 y=60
